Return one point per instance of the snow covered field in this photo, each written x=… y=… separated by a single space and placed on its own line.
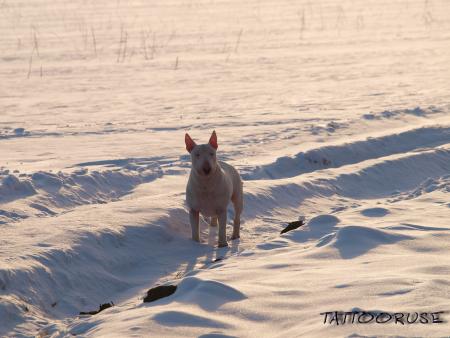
x=338 y=110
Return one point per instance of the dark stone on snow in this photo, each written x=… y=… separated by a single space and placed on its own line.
x=292 y=226
x=159 y=292
x=100 y=308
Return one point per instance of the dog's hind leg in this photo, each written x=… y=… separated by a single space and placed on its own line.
x=194 y=220
x=213 y=222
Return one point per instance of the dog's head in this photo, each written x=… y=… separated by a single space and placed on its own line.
x=203 y=156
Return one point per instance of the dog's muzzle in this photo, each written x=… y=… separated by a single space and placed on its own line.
x=206 y=169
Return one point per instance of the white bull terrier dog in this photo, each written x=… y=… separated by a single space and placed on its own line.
x=211 y=186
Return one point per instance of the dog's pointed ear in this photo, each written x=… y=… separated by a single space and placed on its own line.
x=190 y=144
x=213 y=140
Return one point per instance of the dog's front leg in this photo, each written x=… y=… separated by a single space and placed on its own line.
x=222 y=217
x=194 y=220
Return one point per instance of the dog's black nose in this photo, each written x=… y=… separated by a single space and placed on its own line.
x=206 y=170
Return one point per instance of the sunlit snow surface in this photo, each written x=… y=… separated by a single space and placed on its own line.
x=335 y=110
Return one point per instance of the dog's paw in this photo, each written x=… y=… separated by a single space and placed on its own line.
x=235 y=237
x=223 y=245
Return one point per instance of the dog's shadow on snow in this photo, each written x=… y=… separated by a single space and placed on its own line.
x=218 y=254
x=177 y=223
